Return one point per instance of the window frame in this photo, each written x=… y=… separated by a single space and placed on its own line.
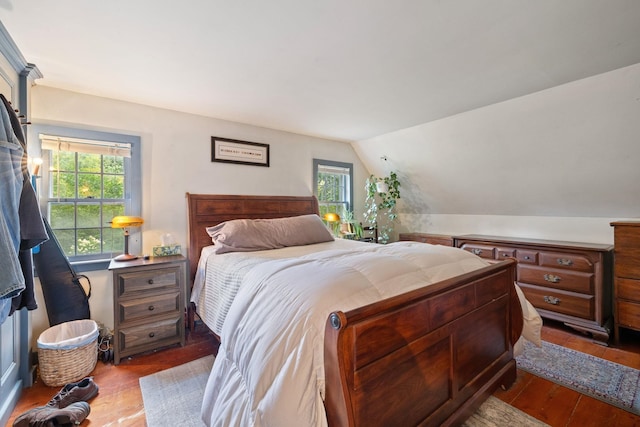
x=317 y=163
x=133 y=179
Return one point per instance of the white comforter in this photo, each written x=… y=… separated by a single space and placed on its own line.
x=269 y=370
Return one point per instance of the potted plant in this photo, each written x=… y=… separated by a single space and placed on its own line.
x=380 y=204
x=349 y=225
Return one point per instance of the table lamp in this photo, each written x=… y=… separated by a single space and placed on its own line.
x=126 y=222
x=332 y=219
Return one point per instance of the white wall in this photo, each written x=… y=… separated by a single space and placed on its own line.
x=557 y=164
x=176 y=158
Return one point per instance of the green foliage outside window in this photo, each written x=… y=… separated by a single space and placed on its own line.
x=86 y=192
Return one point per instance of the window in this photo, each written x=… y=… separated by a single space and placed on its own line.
x=333 y=186
x=86 y=181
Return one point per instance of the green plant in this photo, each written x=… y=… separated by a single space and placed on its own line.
x=380 y=206
x=355 y=227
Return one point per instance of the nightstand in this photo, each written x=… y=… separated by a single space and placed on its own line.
x=148 y=304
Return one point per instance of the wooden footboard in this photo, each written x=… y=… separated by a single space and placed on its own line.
x=429 y=357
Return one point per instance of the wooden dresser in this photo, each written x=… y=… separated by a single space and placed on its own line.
x=434 y=239
x=626 y=276
x=148 y=304
x=566 y=281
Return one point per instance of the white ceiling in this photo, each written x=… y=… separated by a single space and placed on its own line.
x=339 y=69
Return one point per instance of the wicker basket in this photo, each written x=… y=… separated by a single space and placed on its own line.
x=60 y=366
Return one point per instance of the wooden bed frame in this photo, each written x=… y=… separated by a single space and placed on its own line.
x=429 y=357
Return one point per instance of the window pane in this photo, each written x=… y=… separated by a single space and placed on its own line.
x=89 y=241
x=113 y=164
x=88 y=215
x=112 y=240
x=63 y=161
x=89 y=186
x=113 y=186
x=88 y=162
x=109 y=211
x=67 y=240
x=63 y=185
x=62 y=215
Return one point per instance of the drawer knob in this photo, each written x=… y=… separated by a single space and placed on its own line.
x=564 y=261
x=551 y=300
x=151 y=308
x=476 y=251
x=527 y=257
x=152 y=334
x=150 y=281
x=551 y=278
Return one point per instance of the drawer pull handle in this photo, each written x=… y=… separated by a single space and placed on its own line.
x=527 y=257
x=476 y=251
x=551 y=300
x=505 y=254
x=152 y=334
x=563 y=261
x=551 y=278
x=150 y=281
x=151 y=308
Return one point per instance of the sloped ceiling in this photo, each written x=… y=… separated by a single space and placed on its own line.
x=344 y=70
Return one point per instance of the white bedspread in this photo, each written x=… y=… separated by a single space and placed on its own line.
x=219 y=277
x=269 y=370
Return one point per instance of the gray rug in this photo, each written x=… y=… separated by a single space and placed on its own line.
x=173 y=397
x=610 y=382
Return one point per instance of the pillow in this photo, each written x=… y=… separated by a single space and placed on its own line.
x=246 y=235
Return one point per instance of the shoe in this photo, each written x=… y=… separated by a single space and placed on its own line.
x=80 y=391
x=45 y=416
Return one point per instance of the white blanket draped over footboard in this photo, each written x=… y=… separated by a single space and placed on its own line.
x=269 y=370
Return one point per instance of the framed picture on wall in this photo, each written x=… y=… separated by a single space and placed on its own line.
x=227 y=150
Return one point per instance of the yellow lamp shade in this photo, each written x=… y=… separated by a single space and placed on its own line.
x=332 y=217
x=126 y=221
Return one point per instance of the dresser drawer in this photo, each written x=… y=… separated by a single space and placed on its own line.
x=150 y=335
x=526 y=256
x=569 y=261
x=571 y=304
x=628 y=289
x=156 y=305
x=131 y=284
x=628 y=314
x=573 y=281
x=482 y=251
x=504 y=253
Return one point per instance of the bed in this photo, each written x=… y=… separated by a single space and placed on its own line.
x=426 y=356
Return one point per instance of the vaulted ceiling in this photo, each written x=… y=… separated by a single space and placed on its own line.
x=345 y=70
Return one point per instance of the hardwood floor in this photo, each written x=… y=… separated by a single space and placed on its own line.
x=562 y=407
x=119 y=402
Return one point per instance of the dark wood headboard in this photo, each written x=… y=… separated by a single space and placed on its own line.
x=206 y=210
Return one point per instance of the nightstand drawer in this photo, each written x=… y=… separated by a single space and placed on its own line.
x=130 y=284
x=150 y=335
x=559 y=279
x=156 y=305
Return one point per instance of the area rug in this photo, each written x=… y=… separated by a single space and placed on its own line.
x=172 y=398
x=601 y=379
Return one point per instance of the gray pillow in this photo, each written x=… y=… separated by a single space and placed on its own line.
x=245 y=235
